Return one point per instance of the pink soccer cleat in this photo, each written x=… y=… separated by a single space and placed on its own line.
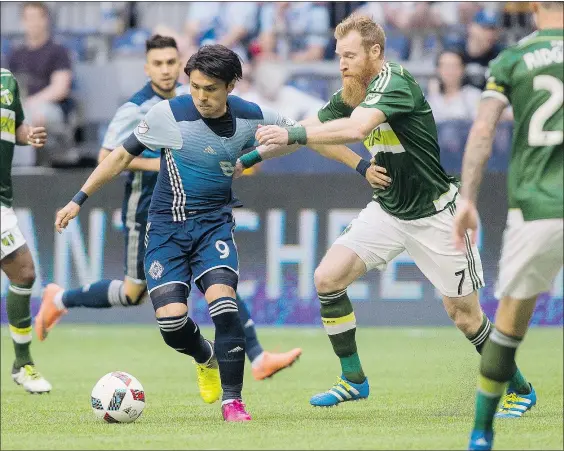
x=235 y=411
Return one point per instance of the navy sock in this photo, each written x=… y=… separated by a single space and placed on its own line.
x=183 y=335
x=95 y=295
x=252 y=345
x=229 y=346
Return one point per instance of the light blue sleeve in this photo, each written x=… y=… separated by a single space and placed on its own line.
x=271 y=117
x=122 y=125
x=159 y=128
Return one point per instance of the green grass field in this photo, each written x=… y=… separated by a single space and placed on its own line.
x=422 y=394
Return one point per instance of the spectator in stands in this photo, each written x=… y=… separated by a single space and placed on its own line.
x=44 y=71
x=293 y=31
x=231 y=24
x=449 y=95
x=407 y=17
x=482 y=45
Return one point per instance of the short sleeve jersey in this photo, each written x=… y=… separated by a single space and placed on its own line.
x=198 y=167
x=406 y=144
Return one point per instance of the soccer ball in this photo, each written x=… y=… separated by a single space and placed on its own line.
x=118 y=397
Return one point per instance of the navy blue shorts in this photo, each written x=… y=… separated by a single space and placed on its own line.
x=135 y=251
x=177 y=252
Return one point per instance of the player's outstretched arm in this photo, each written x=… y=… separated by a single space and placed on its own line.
x=109 y=168
x=476 y=154
x=339 y=131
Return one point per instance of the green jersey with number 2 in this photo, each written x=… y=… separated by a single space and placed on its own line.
x=12 y=118
x=529 y=76
x=406 y=144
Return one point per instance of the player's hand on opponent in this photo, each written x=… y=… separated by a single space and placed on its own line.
x=65 y=214
x=238 y=169
x=37 y=136
x=466 y=218
x=271 y=135
x=376 y=176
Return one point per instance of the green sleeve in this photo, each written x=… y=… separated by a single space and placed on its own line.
x=336 y=108
x=390 y=94
x=20 y=117
x=499 y=77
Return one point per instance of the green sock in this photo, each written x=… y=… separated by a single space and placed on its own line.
x=487 y=399
x=496 y=368
x=19 y=317
x=518 y=383
x=340 y=324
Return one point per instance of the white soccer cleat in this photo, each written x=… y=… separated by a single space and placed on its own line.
x=31 y=379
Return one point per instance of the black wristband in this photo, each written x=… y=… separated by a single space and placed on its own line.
x=80 y=197
x=362 y=167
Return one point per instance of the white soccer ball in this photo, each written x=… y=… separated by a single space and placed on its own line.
x=118 y=397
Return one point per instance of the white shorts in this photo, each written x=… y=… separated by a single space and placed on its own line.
x=12 y=237
x=531 y=256
x=377 y=237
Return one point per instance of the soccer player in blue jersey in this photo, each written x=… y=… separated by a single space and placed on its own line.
x=163 y=68
x=190 y=224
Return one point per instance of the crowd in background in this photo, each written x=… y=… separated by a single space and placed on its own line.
x=42 y=44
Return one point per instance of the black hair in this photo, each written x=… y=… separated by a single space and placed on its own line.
x=458 y=52
x=216 y=61
x=159 y=42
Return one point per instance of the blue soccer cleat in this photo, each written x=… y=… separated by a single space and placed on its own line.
x=481 y=440
x=343 y=390
x=514 y=405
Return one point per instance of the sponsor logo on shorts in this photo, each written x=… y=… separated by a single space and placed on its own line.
x=156 y=270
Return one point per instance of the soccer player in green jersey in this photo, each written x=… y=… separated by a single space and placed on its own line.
x=16 y=260
x=529 y=77
x=382 y=104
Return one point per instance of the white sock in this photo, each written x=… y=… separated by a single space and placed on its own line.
x=257 y=360
x=58 y=300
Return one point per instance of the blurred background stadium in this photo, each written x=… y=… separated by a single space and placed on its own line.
x=294 y=206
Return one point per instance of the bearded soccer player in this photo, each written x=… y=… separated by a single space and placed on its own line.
x=16 y=260
x=382 y=104
x=163 y=68
x=529 y=77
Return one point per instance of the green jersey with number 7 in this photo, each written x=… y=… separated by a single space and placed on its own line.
x=529 y=77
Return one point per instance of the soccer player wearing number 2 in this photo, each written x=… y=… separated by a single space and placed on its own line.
x=529 y=77
x=383 y=105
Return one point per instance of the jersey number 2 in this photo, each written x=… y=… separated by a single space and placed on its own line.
x=538 y=137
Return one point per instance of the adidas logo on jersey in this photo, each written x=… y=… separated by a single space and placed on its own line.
x=236 y=349
x=210 y=150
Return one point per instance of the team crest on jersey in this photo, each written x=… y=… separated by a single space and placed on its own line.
x=156 y=270
x=372 y=98
x=287 y=122
x=7 y=96
x=142 y=128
